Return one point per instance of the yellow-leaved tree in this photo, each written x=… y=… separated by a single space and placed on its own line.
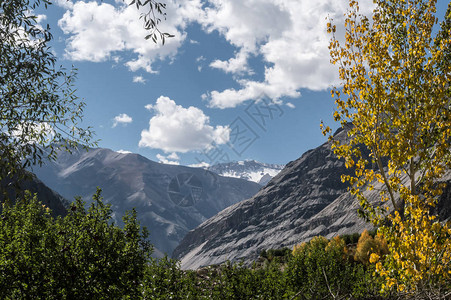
x=395 y=70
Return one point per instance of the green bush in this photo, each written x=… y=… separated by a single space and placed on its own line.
x=323 y=269
x=84 y=255
x=81 y=256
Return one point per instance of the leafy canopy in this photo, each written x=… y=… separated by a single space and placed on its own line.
x=38 y=105
x=396 y=92
x=81 y=256
x=38 y=102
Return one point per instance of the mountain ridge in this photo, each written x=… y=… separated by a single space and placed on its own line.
x=170 y=199
x=306 y=199
x=250 y=170
x=289 y=209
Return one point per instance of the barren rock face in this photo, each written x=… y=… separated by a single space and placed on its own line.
x=286 y=211
x=304 y=200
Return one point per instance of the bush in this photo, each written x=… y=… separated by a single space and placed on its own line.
x=81 y=256
x=322 y=269
x=368 y=245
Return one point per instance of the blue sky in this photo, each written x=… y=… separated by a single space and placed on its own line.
x=208 y=94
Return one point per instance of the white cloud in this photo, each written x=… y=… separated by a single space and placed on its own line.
x=237 y=64
x=34 y=132
x=123 y=151
x=167 y=159
x=288 y=35
x=40 y=18
x=200 y=60
x=98 y=31
x=290 y=105
x=173 y=155
x=122 y=119
x=174 y=128
x=291 y=37
x=67 y=4
x=139 y=79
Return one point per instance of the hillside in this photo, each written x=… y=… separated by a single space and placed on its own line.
x=170 y=200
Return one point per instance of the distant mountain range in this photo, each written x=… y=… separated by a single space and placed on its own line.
x=305 y=199
x=170 y=200
x=251 y=170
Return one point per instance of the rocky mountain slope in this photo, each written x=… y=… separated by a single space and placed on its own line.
x=307 y=198
x=251 y=170
x=47 y=196
x=170 y=200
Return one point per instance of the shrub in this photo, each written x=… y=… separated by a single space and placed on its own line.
x=81 y=256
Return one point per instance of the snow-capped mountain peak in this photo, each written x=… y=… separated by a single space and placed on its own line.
x=250 y=170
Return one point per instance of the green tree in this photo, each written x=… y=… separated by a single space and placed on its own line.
x=81 y=256
x=323 y=269
x=396 y=93
x=38 y=105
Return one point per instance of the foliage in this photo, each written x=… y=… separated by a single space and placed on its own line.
x=39 y=108
x=38 y=104
x=150 y=19
x=80 y=256
x=396 y=93
x=323 y=269
x=350 y=238
x=165 y=280
x=276 y=255
x=85 y=256
x=367 y=245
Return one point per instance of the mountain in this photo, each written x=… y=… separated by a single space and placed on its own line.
x=307 y=198
x=47 y=196
x=251 y=170
x=170 y=200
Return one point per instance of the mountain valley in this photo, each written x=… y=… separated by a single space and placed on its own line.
x=170 y=199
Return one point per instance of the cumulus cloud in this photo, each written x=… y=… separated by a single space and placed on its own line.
x=40 y=18
x=99 y=30
x=34 y=132
x=67 y=4
x=290 y=105
x=289 y=34
x=200 y=60
x=123 y=151
x=122 y=119
x=235 y=65
x=171 y=159
x=173 y=156
x=139 y=79
x=174 y=128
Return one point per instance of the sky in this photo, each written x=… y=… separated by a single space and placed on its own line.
x=240 y=79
